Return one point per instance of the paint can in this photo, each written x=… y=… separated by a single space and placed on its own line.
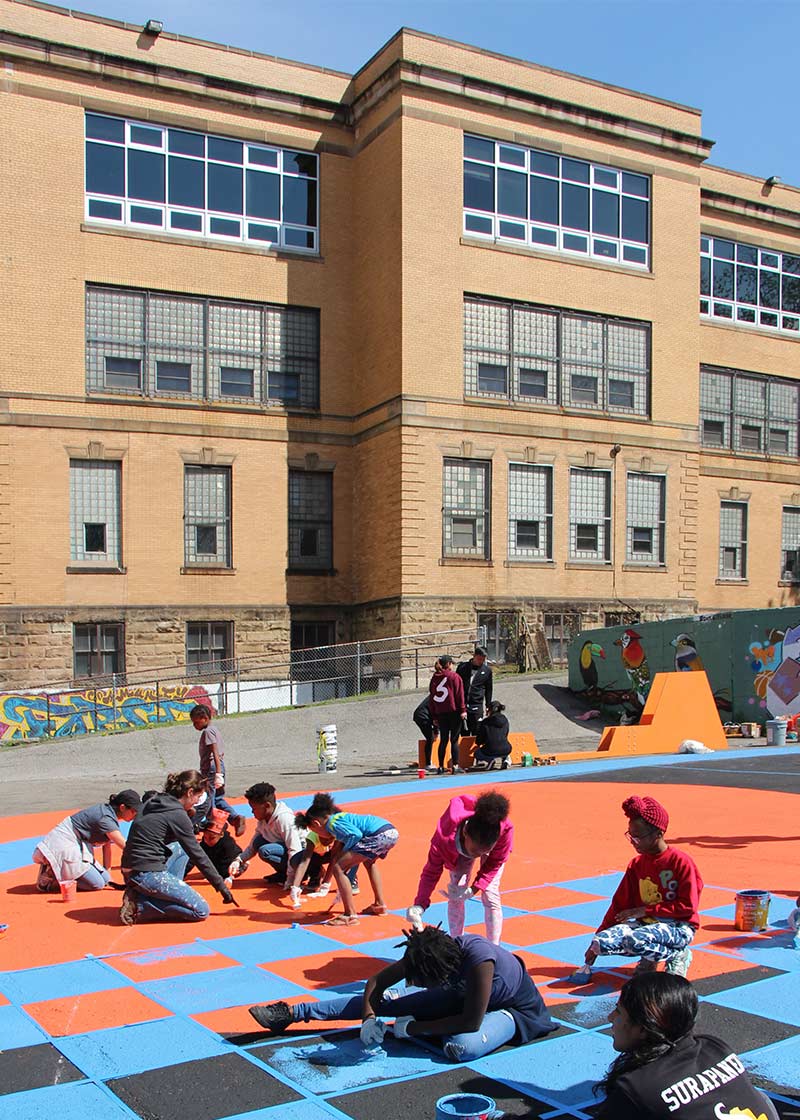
x=527 y=759
x=69 y=890
x=776 y=732
x=466 y=1106
x=752 y=911
x=327 y=749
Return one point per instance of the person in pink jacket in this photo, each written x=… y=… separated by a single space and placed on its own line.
x=470 y=829
x=448 y=709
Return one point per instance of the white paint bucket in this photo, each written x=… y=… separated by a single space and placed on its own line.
x=466 y=1106
x=327 y=748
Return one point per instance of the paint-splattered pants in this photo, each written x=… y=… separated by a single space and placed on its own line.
x=160 y=895
x=490 y=897
x=655 y=941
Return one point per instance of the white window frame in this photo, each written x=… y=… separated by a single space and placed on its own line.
x=768 y=263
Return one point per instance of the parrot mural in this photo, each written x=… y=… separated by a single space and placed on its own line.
x=634 y=659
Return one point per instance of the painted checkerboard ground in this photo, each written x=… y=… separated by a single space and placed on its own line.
x=97 y=1019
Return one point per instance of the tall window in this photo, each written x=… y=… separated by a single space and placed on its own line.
x=149 y=177
x=98 y=649
x=733 y=540
x=310 y=520
x=790 y=545
x=589 y=515
x=646 y=515
x=466 y=508
x=530 y=512
x=749 y=285
x=207 y=516
x=157 y=344
x=549 y=357
x=95 y=512
x=749 y=413
x=209 y=647
x=528 y=197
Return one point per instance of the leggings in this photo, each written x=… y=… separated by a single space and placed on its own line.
x=449 y=731
x=490 y=897
x=655 y=941
x=497 y=1028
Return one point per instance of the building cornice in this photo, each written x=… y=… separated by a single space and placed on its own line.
x=718 y=204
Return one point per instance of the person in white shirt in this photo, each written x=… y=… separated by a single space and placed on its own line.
x=277 y=838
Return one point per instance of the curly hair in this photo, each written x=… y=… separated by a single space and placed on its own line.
x=491 y=809
x=322 y=806
x=432 y=958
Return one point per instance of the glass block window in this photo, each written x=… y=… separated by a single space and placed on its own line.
x=733 y=540
x=157 y=344
x=207 y=516
x=146 y=176
x=646 y=508
x=310 y=520
x=747 y=412
x=790 y=545
x=98 y=650
x=530 y=512
x=209 y=647
x=94 y=488
x=466 y=508
x=749 y=286
x=590 y=515
x=547 y=356
x=523 y=196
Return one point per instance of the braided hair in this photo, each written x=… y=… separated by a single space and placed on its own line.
x=665 y=1007
x=432 y=958
x=491 y=809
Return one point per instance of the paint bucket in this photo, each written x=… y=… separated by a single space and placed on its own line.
x=527 y=759
x=752 y=911
x=776 y=732
x=327 y=748
x=69 y=889
x=466 y=1106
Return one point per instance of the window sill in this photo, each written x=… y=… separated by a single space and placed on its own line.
x=588 y=565
x=632 y=566
x=499 y=401
x=529 y=564
x=169 y=400
x=561 y=258
x=207 y=570
x=95 y=570
x=312 y=572
x=789 y=583
x=753 y=328
x=203 y=242
x=465 y=561
x=732 y=582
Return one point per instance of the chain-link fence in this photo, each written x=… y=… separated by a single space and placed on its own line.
x=119 y=702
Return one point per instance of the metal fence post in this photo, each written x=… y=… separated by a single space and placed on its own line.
x=416 y=667
x=158 y=705
x=114 y=697
x=49 y=729
x=94 y=706
x=358 y=668
x=238 y=688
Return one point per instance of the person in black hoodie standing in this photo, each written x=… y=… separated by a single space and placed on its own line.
x=151 y=892
x=664 y=1068
x=476 y=676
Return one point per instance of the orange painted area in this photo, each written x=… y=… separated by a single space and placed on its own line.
x=118 y=1007
x=545 y=898
x=322 y=970
x=740 y=839
x=531 y=929
x=158 y=964
x=679 y=706
x=232 y=1021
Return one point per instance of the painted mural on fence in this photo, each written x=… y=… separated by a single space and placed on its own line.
x=31 y=715
x=752 y=659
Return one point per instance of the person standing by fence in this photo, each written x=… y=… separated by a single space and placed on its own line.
x=447 y=708
x=476 y=676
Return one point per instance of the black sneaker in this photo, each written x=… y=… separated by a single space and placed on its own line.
x=129 y=910
x=274 y=1017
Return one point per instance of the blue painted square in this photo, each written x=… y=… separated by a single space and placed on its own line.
x=776 y=998
x=474 y=913
x=75 y=1101
x=295 y=1110
x=562 y=1070
x=223 y=987
x=271 y=945
x=572 y=950
x=774 y=951
x=16 y=1029
x=333 y=1067
x=120 y=1051
x=385 y=948
x=59 y=981
x=582 y=913
x=604 y=885
x=778 y=1063
x=779 y=910
x=15 y=854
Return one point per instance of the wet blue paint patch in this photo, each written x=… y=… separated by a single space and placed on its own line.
x=572 y=950
x=776 y=998
x=163 y=953
x=59 y=981
x=562 y=1070
x=272 y=945
x=16 y=1029
x=604 y=885
x=772 y=952
x=67 y=1102
x=333 y=1067
x=222 y=987
x=778 y=1064
x=120 y=1051
x=582 y=913
x=296 y=1110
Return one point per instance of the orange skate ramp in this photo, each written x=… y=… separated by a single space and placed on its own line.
x=679 y=706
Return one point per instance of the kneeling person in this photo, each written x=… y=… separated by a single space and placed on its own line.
x=474 y=995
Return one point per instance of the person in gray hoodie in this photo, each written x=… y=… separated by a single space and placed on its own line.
x=151 y=892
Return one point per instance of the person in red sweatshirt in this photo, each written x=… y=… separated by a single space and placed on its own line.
x=448 y=709
x=654 y=912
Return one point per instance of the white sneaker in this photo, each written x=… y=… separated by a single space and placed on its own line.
x=678 y=964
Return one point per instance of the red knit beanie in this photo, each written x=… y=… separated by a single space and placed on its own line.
x=652 y=812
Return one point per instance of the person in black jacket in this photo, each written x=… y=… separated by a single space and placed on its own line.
x=151 y=891
x=491 y=740
x=664 y=1068
x=220 y=846
x=424 y=720
x=476 y=675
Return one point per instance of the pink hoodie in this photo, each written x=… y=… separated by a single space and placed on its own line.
x=444 y=853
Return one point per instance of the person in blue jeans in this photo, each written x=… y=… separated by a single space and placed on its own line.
x=472 y=994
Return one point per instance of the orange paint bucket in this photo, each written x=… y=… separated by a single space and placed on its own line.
x=752 y=911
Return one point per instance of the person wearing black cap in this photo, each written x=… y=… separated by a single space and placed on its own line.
x=476 y=675
x=67 y=851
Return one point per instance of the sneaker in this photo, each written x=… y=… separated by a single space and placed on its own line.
x=504 y=764
x=678 y=963
x=274 y=1017
x=355 y=889
x=458 y=769
x=240 y=826
x=129 y=910
x=440 y=769
x=431 y=768
x=645 y=966
x=277 y=877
